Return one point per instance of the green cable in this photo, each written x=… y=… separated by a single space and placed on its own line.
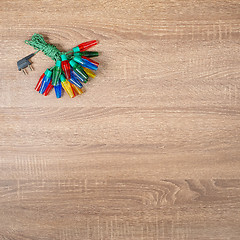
x=38 y=43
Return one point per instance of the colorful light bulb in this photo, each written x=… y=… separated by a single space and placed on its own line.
x=65 y=66
x=48 y=89
x=78 y=91
x=90 y=60
x=78 y=69
x=86 y=54
x=77 y=76
x=85 y=63
x=45 y=81
x=84 y=46
x=75 y=81
x=58 y=89
x=66 y=86
x=37 y=88
x=89 y=72
x=56 y=73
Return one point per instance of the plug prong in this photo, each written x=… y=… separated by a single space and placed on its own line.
x=31 y=68
x=24 y=71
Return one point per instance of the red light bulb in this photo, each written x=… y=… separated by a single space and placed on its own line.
x=84 y=46
x=37 y=88
x=48 y=89
x=90 y=60
x=65 y=66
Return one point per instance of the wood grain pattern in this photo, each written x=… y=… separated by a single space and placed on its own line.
x=151 y=150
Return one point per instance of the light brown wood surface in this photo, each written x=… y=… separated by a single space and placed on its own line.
x=152 y=149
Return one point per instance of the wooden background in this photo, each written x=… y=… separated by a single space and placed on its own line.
x=151 y=150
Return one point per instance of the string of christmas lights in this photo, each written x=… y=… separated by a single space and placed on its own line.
x=71 y=69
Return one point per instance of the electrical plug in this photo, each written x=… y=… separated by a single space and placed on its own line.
x=24 y=63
